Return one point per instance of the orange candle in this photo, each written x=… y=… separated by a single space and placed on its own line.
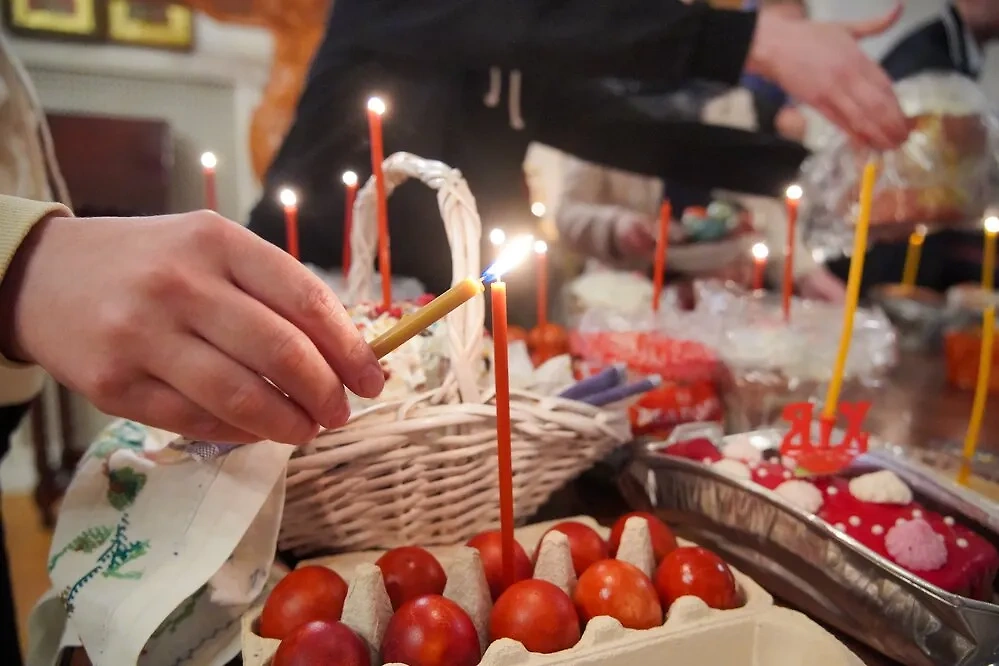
x=504 y=452
x=662 y=242
x=793 y=200
x=541 y=251
x=350 y=182
x=376 y=109
x=208 y=164
x=290 y=202
x=760 y=254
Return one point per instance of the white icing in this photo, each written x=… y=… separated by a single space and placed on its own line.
x=841 y=527
x=762 y=473
x=733 y=468
x=916 y=513
x=832 y=490
x=962 y=543
x=877 y=530
x=854 y=520
x=787 y=474
x=899 y=521
x=706 y=461
x=744 y=451
x=948 y=521
x=884 y=487
x=801 y=494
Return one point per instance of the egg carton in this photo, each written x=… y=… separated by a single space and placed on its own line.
x=755 y=634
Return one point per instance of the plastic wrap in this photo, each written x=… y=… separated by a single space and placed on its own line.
x=943 y=176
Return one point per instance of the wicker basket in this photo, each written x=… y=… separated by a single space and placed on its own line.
x=423 y=470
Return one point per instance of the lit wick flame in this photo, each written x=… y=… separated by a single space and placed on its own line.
x=497 y=237
x=760 y=251
x=209 y=161
x=288 y=198
x=540 y=247
x=376 y=105
x=538 y=209
x=794 y=192
x=992 y=224
x=349 y=178
x=512 y=255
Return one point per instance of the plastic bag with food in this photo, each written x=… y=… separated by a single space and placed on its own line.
x=943 y=176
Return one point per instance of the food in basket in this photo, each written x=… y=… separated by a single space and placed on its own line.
x=431 y=631
x=696 y=572
x=538 y=614
x=663 y=541
x=490 y=547
x=547 y=341
x=410 y=572
x=326 y=643
x=305 y=595
x=619 y=590
x=719 y=220
x=585 y=545
x=879 y=511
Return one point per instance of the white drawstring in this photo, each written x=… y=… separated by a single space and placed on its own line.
x=492 y=98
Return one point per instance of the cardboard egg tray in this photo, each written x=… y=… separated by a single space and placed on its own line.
x=756 y=634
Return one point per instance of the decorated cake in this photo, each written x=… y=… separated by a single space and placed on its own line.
x=876 y=509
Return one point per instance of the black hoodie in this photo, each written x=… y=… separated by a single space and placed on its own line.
x=431 y=60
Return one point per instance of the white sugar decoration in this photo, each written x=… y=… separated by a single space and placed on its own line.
x=962 y=543
x=840 y=526
x=877 y=530
x=636 y=546
x=787 y=474
x=949 y=521
x=832 y=490
x=762 y=473
x=854 y=520
x=743 y=451
x=801 y=494
x=733 y=468
x=884 y=487
x=706 y=460
x=367 y=608
x=555 y=562
x=916 y=513
x=899 y=521
x=467 y=587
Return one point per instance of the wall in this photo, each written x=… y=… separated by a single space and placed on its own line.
x=207 y=96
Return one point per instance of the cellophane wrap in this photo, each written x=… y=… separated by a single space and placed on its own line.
x=943 y=176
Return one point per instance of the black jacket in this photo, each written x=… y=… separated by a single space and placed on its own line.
x=431 y=61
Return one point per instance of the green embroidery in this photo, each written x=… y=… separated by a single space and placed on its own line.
x=181 y=613
x=120 y=435
x=120 y=552
x=123 y=487
x=87 y=541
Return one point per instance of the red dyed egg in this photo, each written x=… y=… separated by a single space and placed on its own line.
x=411 y=572
x=538 y=614
x=326 y=643
x=431 y=631
x=694 y=571
x=585 y=545
x=663 y=541
x=620 y=590
x=490 y=547
x=305 y=595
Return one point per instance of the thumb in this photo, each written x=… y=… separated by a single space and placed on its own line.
x=872 y=27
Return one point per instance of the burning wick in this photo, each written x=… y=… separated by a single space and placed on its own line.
x=209 y=161
x=497 y=237
x=538 y=209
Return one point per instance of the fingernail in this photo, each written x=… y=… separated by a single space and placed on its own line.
x=371 y=381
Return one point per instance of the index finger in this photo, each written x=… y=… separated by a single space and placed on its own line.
x=872 y=27
x=280 y=282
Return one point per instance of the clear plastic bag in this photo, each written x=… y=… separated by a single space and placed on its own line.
x=943 y=176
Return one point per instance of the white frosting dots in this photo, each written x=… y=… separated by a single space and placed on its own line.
x=882 y=487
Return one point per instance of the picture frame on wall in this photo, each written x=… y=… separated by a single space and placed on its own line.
x=63 y=19
x=157 y=25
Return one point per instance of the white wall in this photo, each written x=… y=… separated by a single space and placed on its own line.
x=206 y=96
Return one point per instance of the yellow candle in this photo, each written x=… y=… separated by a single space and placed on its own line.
x=912 y=257
x=411 y=325
x=981 y=391
x=852 y=288
x=989 y=258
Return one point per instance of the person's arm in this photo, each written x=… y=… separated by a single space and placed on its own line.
x=659 y=39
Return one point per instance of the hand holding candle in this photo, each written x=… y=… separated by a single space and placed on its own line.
x=208 y=164
x=376 y=109
x=350 y=183
x=793 y=201
x=289 y=200
x=760 y=254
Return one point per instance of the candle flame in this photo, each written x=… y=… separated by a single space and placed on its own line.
x=992 y=224
x=760 y=251
x=208 y=160
x=540 y=247
x=512 y=255
x=376 y=105
x=538 y=209
x=288 y=197
x=794 y=192
x=349 y=178
x=497 y=237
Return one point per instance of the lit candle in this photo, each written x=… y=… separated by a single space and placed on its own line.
x=497 y=237
x=989 y=256
x=913 y=254
x=350 y=183
x=541 y=252
x=289 y=200
x=538 y=209
x=662 y=242
x=793 y=199
x=411 y=325
x=760 y=254
x=981 y=392
x=208 y=164
x=852 y=289
x=376 y=109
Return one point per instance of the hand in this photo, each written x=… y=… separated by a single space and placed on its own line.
x=634 y=237
x=982 y=17
x=176 y=321
x=790 y=124
x=821 y=285
x=821 y=64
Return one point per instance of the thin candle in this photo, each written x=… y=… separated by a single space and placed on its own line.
x=662 y=242
x=538 y=209
x=376 y=109
x=541 y=252
x=760 y=254
x=981 y=392
x=989 y=256
x=913 y=255
x=852 y=288
x=793 y=198
x=350 y=183
x=289 y=200
x=208 y=164
x=504 y=451
x=497 y=237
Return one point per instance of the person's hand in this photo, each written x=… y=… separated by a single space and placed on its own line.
x=634 y=237
x=790 y=124
x=821 y=64
x=821 y=285
x=188 y=323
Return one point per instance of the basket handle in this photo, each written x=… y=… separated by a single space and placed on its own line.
x=464 y=230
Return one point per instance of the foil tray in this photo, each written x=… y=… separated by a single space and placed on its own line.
x=825 y=573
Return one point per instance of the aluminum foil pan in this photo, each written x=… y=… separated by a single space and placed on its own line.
x=827 y=574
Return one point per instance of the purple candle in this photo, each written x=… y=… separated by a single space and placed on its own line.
x=619 y=393
x=607 y=378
